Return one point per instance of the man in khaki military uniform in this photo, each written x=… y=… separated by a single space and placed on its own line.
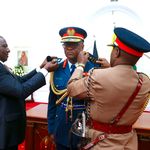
x=117 y=95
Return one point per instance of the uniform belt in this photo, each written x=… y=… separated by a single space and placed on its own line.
x=109 y=128
x=75 y=107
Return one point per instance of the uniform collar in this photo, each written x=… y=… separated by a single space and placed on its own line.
x=1 y=62
x=69 y=63
x=123 y=66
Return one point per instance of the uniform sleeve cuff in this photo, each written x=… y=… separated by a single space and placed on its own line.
x=80 y=68
x=43 y=71
x=38 y=69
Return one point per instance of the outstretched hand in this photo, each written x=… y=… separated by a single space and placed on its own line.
x=45 y=61
x=103 y=62
x=51 y=66
x=83 y=57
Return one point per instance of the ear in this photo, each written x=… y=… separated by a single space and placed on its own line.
x=117 y=52
x=82 y=45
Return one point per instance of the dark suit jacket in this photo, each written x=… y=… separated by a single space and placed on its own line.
x=13 y=91
x=58 y=123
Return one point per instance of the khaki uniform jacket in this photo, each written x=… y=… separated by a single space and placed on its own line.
x=109 y=90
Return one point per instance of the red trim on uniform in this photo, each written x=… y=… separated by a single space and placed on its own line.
x=94 y=142
x=65 y=63
x=128 y=49
x=108 y=128
x=85 y=74
x=75 y=34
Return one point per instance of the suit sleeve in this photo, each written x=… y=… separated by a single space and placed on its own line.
x=27 y=76
x=51 y=111
x=11 y=86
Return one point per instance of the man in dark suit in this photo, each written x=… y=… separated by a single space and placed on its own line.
x=63 y=110
x=13 y=91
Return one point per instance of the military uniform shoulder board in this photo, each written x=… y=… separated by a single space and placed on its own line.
x=144 y=74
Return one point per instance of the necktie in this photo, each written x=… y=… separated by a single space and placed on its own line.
x=72 y=68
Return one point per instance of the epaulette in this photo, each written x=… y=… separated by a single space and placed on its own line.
x=144 y=74
x=96 y=68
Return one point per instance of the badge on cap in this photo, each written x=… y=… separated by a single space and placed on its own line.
x=72 y=34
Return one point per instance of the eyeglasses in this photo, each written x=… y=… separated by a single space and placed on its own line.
x=70 y=44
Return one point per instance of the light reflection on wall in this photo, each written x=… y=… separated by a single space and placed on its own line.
x=34 y=25
x=106 y=18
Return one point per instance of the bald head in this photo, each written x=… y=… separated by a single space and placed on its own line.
x=1 y=38
x=4 y=50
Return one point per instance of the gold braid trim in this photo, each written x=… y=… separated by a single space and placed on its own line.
x=147 y=96
x=54 y=89
x=64 y=92
x=61 y=98
x=146 y=103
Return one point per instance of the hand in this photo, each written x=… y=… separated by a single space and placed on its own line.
x=103 y=62
x=48 y=142
x=52 y=140
x=51 y=136
x=83 y=57
x=51 y=66
x=45 y=61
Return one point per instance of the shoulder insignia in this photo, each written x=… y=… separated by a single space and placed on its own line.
x=144 y=74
